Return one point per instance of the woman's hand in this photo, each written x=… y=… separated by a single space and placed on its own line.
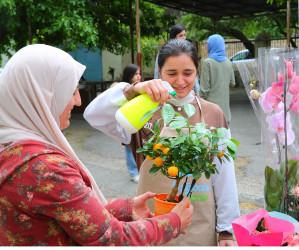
x=226 y=243
x=140 y=209
x=184 y=213
x=154 y=88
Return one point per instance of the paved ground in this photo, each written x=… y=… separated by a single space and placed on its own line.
x=105 y=157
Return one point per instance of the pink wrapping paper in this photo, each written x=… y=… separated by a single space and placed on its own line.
x=244 y=225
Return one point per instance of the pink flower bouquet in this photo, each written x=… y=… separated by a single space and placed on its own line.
x=249 y=231
x=272 y=85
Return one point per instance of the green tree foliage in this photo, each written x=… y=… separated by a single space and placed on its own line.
x=94 y=23
x=201 y=28
x=280 y=2
x=45 y=21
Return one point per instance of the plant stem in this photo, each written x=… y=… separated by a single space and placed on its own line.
x=286 y=186
x=174 y=190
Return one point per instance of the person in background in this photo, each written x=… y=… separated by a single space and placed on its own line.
x=178 y=63
x=47 y=195
x=217 y=75
x=131 y=74
x=177 y=31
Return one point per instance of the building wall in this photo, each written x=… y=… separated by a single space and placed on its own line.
x=119 y=62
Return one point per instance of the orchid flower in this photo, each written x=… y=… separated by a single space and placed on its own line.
x=294 y=90
x=276 y=125
x=270 y=99
x=289 y=69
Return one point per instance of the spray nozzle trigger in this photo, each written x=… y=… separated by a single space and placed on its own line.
x=170 y=89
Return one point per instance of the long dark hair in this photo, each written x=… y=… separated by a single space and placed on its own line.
x=176 y=47
x=129 y=72
x=176 y=29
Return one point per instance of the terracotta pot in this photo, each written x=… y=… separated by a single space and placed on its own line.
x=162 y=206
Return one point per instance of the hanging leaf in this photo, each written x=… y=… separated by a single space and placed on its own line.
x=273 y=188
x=177 y=140
x=167 y=113
x=157 y=126
x=177 y=124
x=231 y=144
x=221 y=132
x=154 y=170
x=148 y=114
x=189 y=109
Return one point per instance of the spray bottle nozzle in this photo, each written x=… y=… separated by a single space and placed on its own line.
x=170 y=89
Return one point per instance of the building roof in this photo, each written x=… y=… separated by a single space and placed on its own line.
x=221 y=9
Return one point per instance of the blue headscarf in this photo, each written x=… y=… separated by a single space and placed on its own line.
x=216 y=47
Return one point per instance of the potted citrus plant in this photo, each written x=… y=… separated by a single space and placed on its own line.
x=191 y=152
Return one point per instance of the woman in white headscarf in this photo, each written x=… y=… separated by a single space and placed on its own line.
x=47 y=196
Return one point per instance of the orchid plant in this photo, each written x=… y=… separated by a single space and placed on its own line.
x=278 y=105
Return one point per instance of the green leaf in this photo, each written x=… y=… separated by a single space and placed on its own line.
x=196 y=174
x=231 y=144
x=293 y=172
x=261 y=225
x=232 y=153
x=189 y=109
x=235 y=141
x=154 y=170
x=207 y=175
x=177 y=115
x=148 y=114
x=139 y=150
x=167 y=113
x=157 y=127
x=221 y=132
x=177 y=124
x=273 y=188
x=177 y=141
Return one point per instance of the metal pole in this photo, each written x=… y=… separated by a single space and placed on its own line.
x=288 y=23
x=138 y=36
x=131 y=31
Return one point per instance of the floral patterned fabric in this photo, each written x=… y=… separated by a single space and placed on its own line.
x=47 y=200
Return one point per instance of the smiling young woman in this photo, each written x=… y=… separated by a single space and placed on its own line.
x=178 y=63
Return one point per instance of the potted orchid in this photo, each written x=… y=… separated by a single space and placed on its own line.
x=275 y=99
x=191 y=152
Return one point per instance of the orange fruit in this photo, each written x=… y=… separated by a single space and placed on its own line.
x=158 y=146
x=149 y=158
x=220 y=154
x=159 y=161
x=212 y=165
x=165 y=150
x=173 y=171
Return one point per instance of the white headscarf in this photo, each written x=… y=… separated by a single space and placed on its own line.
x=36 y=85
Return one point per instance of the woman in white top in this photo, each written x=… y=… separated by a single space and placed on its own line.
x=178 y=64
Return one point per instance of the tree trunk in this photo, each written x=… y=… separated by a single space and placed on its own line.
x=174 y=190
x=29 y=29
x=239 y=35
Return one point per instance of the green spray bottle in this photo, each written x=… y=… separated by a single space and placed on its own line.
x=130 y=114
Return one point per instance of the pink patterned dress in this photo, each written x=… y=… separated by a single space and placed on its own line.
x=47 y=200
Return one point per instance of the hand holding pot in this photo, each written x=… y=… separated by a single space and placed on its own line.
x=140 y=209
x=185 y=213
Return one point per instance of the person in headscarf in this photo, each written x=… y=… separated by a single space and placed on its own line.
x=47 y=195
x=217 y=75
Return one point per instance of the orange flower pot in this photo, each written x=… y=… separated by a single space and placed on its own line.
x=162 y=206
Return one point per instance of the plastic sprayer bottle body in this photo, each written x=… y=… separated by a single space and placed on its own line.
x=130 y=114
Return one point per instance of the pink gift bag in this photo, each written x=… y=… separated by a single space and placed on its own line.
x=282 y=230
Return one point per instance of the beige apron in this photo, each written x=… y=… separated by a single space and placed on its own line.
x=202 y=231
